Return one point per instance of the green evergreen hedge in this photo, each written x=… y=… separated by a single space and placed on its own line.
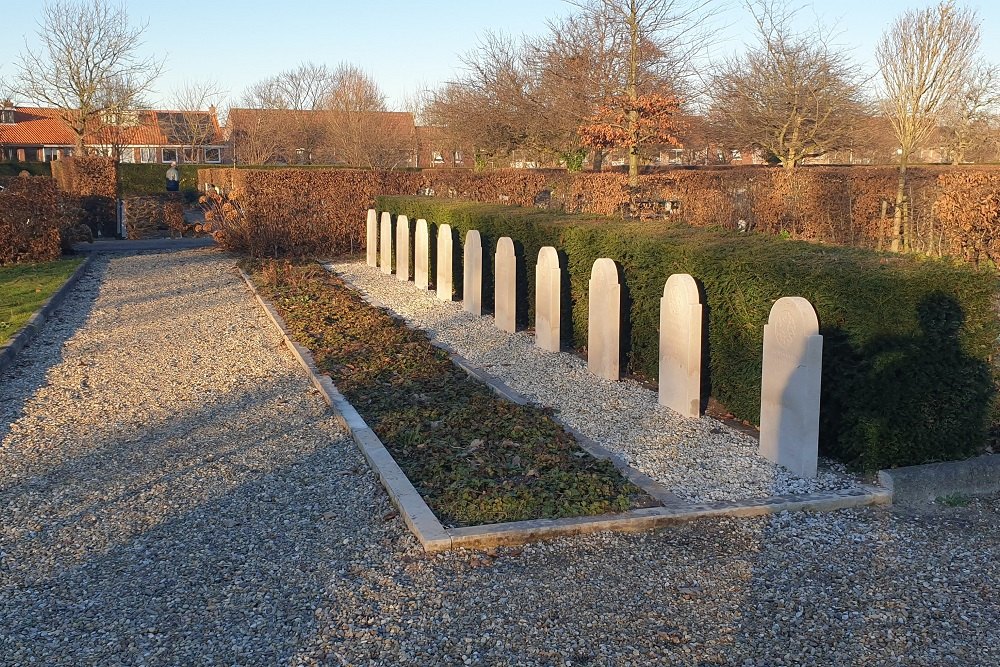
x=33 y=168
x=908 y=342
x=151 y=179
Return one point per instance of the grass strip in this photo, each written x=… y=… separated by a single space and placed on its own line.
x=25 y=287
x=474 y=457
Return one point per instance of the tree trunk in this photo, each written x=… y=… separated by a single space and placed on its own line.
x=898 y=219
x=598 y=159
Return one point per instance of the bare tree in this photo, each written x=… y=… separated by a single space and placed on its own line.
x=115 y=127
x=488 y=107
x=922 y=57
x=792 y=95
x=361 y=131
x=967 y=117
x=82 y=46
x=576 y=66
x=659 y=39
x=192 y=122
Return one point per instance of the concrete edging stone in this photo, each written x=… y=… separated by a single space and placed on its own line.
x=17 y=342
x=912 y=485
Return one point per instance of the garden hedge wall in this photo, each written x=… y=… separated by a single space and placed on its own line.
x=954 y=210
x=151 y=179
x=908 y=341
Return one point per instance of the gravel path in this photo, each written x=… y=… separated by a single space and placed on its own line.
x=698 y=459
x=173 y=493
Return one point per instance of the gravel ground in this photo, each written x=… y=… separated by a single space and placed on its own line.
x=173 y=493
x=698 y=459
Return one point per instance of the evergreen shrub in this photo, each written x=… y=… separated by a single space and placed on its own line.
x=908 y=342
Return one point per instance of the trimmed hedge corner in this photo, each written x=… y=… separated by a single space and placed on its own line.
x=908 y=342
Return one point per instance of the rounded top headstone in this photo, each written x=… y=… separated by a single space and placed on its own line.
x=505 y=246
x=605 y=270
x=548 y=256
x=681 y=290
x=793 y=317
x=472 y=235
x=372 y=215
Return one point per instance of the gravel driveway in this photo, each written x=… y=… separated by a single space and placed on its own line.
x=173 y=493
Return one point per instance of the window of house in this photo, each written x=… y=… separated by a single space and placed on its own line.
x=213 y=155
x=7 y=116
x=437 y=158
x=458 y=157
x=190 y=154
x=170 y=155
x=147 y=154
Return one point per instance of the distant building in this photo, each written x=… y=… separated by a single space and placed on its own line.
x=33 y=134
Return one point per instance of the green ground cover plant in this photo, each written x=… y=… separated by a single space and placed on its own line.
x=909 y=342
x=25 y=287
x=475 y=457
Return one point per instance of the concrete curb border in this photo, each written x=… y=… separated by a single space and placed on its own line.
x=17 y=342
x=921 y=484
x=435 y=538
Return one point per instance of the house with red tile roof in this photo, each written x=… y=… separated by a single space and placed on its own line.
x=30 y=134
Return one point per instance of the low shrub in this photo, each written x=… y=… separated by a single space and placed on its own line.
x=907 y=341
x=93 y=181
x=476 y=458
x=34 y=214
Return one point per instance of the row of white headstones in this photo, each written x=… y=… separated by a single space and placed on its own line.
x=793 y=348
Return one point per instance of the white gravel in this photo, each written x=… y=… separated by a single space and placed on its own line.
x=172 y=493
x=698 y=459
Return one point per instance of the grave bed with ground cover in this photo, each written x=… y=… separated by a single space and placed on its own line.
x=474 y=457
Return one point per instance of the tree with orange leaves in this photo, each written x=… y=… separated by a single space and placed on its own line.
x=633 y=123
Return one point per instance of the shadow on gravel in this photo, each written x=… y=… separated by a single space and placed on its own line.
x=20 y=381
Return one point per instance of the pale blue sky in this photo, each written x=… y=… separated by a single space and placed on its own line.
x=404 y=45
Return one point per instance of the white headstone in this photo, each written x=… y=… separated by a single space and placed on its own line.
x=790 y=385
x=604 y=320
x=402 y=248
x=371 y=238
x=548 y=290
x=385 y=243
x=445 y=263
x=472 y=286
x=505 y=286
x=680 y=346
x=421 y=254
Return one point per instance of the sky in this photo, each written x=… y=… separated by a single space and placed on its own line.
x=405 y=46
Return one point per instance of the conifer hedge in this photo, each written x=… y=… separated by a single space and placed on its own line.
x=908 y=342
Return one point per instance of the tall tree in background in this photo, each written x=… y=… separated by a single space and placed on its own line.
x=659 y=39
x=576 y=66
x=967 y=118
x=84 y=48
x=489 y=105
x=922 y=57
x=361 y=131
x=191 y=122
x=792 y=95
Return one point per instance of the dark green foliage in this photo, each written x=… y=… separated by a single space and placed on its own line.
x=151 y=179
x=907 y=345
x=33 y=168
x=476 y=458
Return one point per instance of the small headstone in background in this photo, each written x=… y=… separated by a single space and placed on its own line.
x=472 y=286
x=680 y=346
x=604 y=320
x=402 y=248
x=385 y=243
x=371 y=238
x=548 y=290
x=445 y=263
x=505 y=286
x=421 y=254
